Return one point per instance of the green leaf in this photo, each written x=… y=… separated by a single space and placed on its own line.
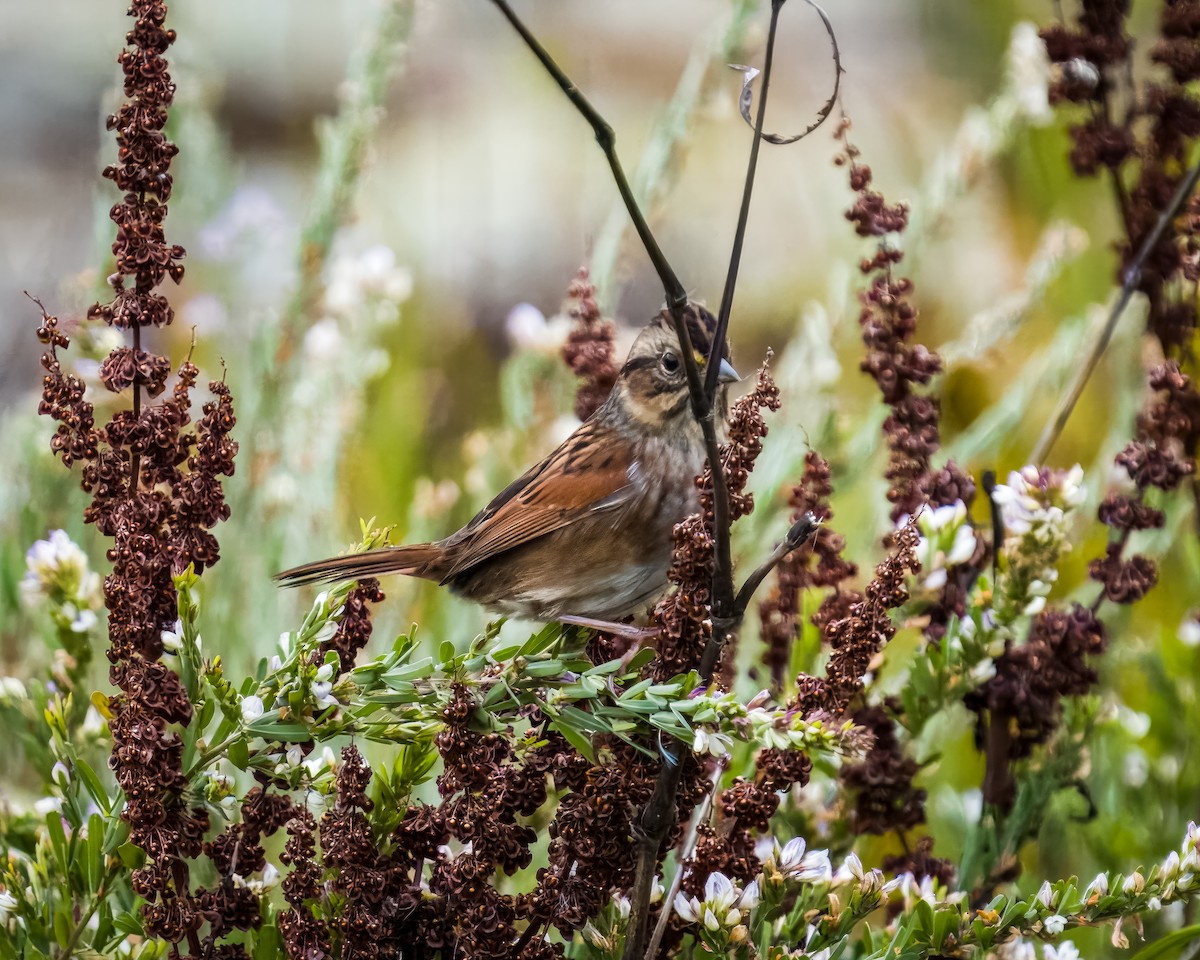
x=1169 y=945
x=129 y=924
x=540 y=669
x=115 y=834
x=272 y=728
x=94 y=787
x=58 y=840
x=267 y=943
x=581 y=743
x=583 y=720
x=417 y=670
x=239 y=753
x=93 y=863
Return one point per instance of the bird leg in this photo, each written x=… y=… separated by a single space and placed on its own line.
x=627 y=630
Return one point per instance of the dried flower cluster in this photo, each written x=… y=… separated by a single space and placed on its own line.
x=820 y=566
x=589 y=347
x=888 y=320
x=354 y=628
x=156 y=491
x=1143 y=139
x=682 y=614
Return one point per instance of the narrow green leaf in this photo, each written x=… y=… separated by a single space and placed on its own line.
x=94 y=787
x=581 y=743
x=1169 y=945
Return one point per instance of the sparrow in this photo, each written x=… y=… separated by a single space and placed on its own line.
x=585 y=536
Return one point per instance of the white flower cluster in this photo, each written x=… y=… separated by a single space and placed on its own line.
x=373 y=274
x=1034 y=505
x=292 y=671
x=947 y=540
x=720 y=717
x=58 y=573
x=724 y=906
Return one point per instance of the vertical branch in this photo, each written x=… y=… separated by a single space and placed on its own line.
x=659 y=813
x=717 y=349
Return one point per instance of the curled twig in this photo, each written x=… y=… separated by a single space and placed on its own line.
x=750 y=74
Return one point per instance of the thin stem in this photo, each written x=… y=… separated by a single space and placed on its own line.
x=686 y=849
x=676 y=295
x=211 y=754
x=717 y=348
x=1132 y=277
x=101 y=892
x=800 y=531
x=659 y=813
x=657 y=168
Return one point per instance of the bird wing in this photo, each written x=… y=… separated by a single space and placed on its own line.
x=588 y=473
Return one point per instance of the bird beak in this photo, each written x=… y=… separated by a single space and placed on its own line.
x=726 y=373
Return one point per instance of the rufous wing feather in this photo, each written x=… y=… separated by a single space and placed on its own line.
x=424 y=560
x=586 y=474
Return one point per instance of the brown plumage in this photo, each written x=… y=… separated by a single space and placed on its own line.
x=586 y=533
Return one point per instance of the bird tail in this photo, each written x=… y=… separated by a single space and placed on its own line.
x=414 y=560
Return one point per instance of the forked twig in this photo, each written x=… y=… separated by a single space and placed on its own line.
x=659 y=813
x=1130 y=280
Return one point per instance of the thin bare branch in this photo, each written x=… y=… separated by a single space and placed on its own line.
x=686 y=848
x=1129 y=284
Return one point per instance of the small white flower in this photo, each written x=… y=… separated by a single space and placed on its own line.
x=93 y=723
x=749 y=897
x=1170 y=866
x=83 y=620
x=8 y=905
x=323 y=694
x=719 y=892
x=688 y=908
x=529 y=330
x=1045 y=894
x=1134 y=883
x=1154 y=904
x=252 y=708
x=1064 y=951
x=815 y=868
x=788 y=859
x=712 y=743
x=172 y=640
x=61 y=775
x=325 y=672
x=622 y=905
x=1055 y=924
x=1097 y=888
x=47 y=805
x=295 y=756
x=317 y=764
x=12 y=690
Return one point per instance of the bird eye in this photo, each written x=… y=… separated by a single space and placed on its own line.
x=670 y=362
